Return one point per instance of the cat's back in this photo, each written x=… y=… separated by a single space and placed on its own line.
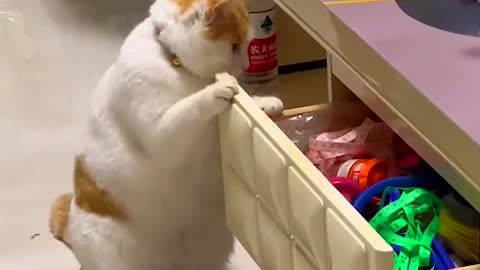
x=142 y=50
x=145 y=68
x=142 y=75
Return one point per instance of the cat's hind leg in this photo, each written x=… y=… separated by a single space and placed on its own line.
x=100 y=243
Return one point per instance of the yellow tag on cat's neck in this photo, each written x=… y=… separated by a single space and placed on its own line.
x=176 y=61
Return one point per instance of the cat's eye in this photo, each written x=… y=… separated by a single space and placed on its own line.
x=235 y=47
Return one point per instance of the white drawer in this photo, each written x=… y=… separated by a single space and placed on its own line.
x=282 y=209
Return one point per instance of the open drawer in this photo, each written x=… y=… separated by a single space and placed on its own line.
x=281 y=208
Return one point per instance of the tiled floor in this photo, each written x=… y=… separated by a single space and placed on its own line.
x=52 y=52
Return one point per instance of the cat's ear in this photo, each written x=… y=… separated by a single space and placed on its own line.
x=217 y=12
x=226 y=19
x=161 y=17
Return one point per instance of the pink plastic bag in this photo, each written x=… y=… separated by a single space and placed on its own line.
x=338 y=132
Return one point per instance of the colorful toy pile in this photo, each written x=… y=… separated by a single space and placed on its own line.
x=394 y=189
x=330 y=150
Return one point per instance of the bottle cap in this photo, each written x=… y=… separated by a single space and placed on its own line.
x=364 y=172
x=369 y=172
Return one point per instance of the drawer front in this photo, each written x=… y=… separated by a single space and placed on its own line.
x=282 y=209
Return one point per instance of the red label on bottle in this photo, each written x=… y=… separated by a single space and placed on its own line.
x=262 y=55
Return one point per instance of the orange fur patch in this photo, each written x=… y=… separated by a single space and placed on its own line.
x=91 y=198
x=184 y=5
x=58 y=221
x=227 y=20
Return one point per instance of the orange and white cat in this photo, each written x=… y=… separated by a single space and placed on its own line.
x=148 y=191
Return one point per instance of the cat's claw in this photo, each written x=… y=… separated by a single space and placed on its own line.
x=226 y=86
x=270 y=105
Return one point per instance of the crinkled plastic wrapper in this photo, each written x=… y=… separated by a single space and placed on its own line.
x=335 y=117
x=328 y=117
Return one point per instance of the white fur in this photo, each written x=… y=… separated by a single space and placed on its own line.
x=152 y=143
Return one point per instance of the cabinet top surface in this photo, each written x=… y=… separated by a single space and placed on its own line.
x=435 y=47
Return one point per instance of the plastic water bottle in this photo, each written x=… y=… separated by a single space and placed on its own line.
x=261 y=65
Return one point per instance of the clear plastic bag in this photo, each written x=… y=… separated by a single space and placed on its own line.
x=367 y=138
x=326 y=117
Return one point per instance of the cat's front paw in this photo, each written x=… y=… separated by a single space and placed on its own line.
x=270 y=105
x=226 y=87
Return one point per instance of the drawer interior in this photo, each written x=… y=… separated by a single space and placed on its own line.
x=281 y=207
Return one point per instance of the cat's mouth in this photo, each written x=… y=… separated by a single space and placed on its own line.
x=156 y=31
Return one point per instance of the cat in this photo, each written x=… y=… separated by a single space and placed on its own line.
x=148 y=191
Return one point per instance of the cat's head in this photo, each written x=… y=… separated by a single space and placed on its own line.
x=208 y=36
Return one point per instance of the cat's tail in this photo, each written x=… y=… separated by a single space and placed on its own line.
x=59 y=213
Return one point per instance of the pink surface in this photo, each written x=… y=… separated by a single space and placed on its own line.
x=444 y=67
